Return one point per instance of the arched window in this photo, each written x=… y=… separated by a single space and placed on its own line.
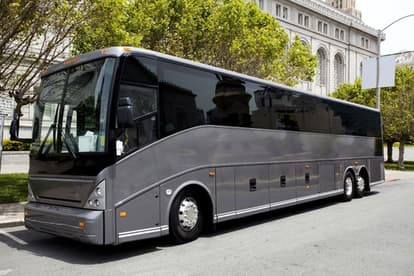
x=322 y=71
x=338 y=70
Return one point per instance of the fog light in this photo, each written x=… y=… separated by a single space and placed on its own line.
x=90 y=202
x=97 y=203
x=98 y=191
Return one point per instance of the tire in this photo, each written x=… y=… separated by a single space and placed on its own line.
x=186 y=217
x=359 y=188
x=349 y=186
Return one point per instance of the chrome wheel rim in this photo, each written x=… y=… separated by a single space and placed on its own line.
x=361 y=184
x=348 y=186
x=188 y=213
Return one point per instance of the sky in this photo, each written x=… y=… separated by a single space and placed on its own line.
x=379 y=13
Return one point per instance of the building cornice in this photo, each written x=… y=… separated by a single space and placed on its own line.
x=336 y=15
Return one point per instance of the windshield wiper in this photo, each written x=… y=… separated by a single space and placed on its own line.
x=52 y=127
x=69 y=145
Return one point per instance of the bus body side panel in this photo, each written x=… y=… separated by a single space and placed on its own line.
x=225 y=193
x=376 y=170
x=327 y=177
x=339 y=174
x=252 y=189
x=187 y=156
x=307 y=179
x=282 y=183
x=139 y=218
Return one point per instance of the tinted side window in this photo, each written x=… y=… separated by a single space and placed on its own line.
x=315 y=114
x=186 y=96
x=286 y=110
x=236 y=104
x=352 y=120
x=138 y=69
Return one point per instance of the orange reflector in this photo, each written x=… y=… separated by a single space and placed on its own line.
x=26 y=213
x=71 y=60
x=128 y=49
x=104 y=51
x=122 y=214
x=212 y=174
x=81 y=224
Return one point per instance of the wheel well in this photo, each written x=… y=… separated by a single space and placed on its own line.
x=206 y=203
x=351 y=171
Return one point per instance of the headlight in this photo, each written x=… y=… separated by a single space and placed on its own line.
x=96 y=199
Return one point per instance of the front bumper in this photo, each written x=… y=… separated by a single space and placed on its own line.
x=65 y=222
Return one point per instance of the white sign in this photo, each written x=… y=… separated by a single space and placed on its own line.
x=387 y=72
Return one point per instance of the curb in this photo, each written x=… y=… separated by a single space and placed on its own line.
x=11 y=224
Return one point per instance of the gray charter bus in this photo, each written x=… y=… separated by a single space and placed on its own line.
x=130 y=144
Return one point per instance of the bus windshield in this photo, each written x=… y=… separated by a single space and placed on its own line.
x=71 y=111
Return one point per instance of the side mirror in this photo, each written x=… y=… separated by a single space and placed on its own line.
x=14 y=130
x=125 y=115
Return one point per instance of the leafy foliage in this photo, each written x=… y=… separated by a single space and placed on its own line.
x=9 y=145
x=353 y=92
x=397 y=106
x=32 y=35
x=235 y=35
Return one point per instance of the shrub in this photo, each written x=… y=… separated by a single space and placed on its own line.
x=9 y=145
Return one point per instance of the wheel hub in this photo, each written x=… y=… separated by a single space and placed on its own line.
x=348 y=186
x=361 y=184
x=188 y=213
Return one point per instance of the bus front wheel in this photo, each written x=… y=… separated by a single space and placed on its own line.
x=186 y=217
x=349 y=184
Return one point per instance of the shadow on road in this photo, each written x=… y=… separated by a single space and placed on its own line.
x=74 y=252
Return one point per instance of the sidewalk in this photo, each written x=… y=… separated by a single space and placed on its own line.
x=12 y=214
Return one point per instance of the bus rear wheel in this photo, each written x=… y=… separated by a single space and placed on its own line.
x=349 y=185
x=186 y=217
x=360 y=187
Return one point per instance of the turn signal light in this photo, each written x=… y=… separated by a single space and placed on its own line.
x=122 y=214
x=26 y=213
x=81 y=224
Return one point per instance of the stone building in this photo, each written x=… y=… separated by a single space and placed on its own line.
x=335 y=33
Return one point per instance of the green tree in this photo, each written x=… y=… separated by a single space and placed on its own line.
x=235 y=35
x=32 y=35
x=397 y=107
x=353 y=92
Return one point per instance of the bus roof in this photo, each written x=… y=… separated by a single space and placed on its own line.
x=119 y=51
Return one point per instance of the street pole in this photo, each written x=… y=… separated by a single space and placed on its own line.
x=378 y=101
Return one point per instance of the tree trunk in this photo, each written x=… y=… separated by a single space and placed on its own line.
x=401 y=155
x=389 y=151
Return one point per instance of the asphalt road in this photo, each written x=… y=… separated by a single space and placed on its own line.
x=369 y=236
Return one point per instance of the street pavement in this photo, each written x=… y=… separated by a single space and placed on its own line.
x=368 y=236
